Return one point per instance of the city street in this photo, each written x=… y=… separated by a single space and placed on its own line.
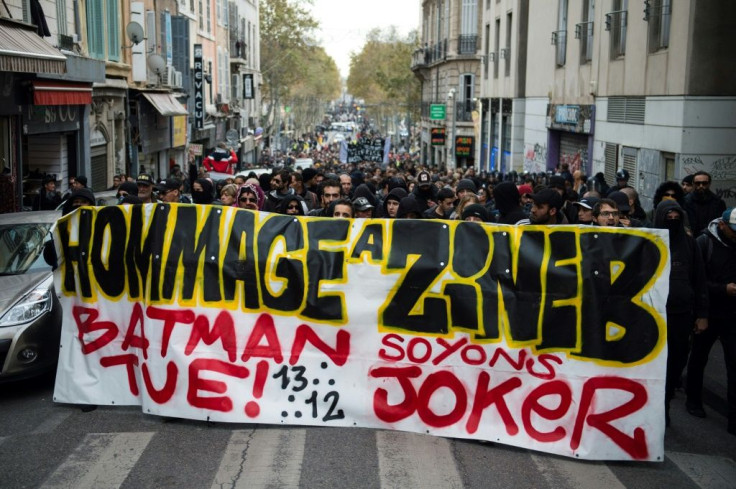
x=49 y=445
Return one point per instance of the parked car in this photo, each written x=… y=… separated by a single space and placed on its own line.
x=30 y=313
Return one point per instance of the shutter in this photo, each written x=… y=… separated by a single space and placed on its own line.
x=180 y=41
x=574 y=151
x=611 y=155
x=95 y=29
x=60 y=16
x=234 y=34
x=635 y=110
x=113 y=31
x=151 y=31
x=629 y=164
x=616 y=109
x=98 y=160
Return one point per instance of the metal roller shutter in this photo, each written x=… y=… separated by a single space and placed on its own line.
x=574 y=151
x=99 y=167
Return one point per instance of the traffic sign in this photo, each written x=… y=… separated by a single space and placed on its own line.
x=437 y=112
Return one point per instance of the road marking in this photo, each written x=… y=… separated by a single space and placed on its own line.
x=562 y=472
x=101 y=461
x=410 y=460
x=256 y=459
x=707 y=471
x=52 y=422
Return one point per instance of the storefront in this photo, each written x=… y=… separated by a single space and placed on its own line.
x=570 y=136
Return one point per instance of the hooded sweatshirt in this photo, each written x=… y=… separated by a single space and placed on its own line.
x=396 y=194
x=205 y=195
x=688 y=290
x=408 y=205
x=284 y=203
x=719 y=255
x=507 y=196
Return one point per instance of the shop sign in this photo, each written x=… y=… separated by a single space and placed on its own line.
x=438 y=136
x=464 y=146
x=179 y=131
x=571 y=118
x=199 y=112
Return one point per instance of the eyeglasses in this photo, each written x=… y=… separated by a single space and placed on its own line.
x=249 y=199
x=294 y=207
x=701 y=183
x=609 y=214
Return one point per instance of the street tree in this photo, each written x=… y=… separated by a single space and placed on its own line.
x=381 y=75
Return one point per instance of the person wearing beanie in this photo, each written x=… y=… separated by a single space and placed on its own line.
x=78 y=198
x=476 y=213
x=687 y=184
x=465 y=186
x=125 y=189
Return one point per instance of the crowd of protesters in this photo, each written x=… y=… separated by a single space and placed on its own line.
x=701 y=306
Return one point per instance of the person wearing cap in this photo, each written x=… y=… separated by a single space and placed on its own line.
x=48 y=198
x=363 y=208
x=546 y=205
x=718 y=247
x=424 y=191
x=476 y=213
x=605 y=213
x=445 y=205
x=585 y=210
x=145 y=188
x=169 y=190
x=125 y=189
x=702 y=205
x=687 y=300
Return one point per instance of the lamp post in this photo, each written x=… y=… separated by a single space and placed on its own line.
x=451 y=157
x=478 y=124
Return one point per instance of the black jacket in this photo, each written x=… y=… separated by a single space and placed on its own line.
x=702 y=211
x=507 y=199
x=688 y=283
x=719 y=255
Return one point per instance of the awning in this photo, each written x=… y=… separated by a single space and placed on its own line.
x=166 y=104
x=23 y=51
x=59 y=93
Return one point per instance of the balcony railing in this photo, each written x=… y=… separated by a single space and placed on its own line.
x=429 y=54
x=464 y=111
x=584 y=32
x=559 y=39
x=467 y=44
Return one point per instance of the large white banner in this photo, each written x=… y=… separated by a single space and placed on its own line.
x=549 y=338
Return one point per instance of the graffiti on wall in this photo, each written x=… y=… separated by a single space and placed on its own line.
x=722 y=170
x=535 y=158
x=575 y=161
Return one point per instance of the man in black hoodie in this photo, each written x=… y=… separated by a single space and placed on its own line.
x=718 y=246
x=687 y=302
x=508 y=205
x=702 y=205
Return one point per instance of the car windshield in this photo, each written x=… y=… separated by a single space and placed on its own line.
x=21 y=248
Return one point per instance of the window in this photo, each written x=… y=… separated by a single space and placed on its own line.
x=112 y=29
x=61 y=17
x=468 y=42
x=465 y=102
x=559 y=37
x=584 y=31
x=96 y=29
x=658 y=13
x=496 y=48
x=616 y=23
x=507 y=54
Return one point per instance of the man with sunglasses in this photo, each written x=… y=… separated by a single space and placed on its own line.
x=702 y=205
x=279 y=190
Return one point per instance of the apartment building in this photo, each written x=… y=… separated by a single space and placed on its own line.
x=503 y=85
x=645 y=85
x=448 y=66
x=103 y=87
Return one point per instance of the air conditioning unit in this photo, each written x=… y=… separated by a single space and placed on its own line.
x=177 y=79
x=168 y=76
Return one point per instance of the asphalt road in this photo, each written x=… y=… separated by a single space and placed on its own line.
x=48 y=445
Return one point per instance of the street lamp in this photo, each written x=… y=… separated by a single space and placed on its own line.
x=478 y=133
x=451 y=156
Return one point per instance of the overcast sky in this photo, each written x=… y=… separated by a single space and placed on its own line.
x=345 y=24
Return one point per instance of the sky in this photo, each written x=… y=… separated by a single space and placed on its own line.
x=344 y=24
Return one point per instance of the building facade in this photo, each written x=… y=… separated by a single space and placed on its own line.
x=448 y=66
x=649 y=86
x=105 y=87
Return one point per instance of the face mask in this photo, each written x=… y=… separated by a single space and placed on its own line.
x=672 y=224
x=198 y=196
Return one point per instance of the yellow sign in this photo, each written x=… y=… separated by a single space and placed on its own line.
x=179 y=132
